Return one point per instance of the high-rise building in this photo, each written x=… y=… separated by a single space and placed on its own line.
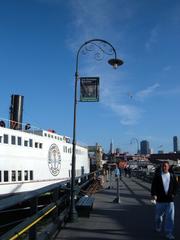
x=175 y=144
x=145 y=149
x=111 y=151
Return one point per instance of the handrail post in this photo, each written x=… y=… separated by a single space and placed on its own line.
x=55 y=199
x=33 y=211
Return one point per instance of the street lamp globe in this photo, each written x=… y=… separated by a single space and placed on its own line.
x=115 y=62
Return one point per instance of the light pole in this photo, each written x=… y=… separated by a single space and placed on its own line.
x=100 y=47
x=137 y=142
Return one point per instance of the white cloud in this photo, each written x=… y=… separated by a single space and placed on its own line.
x=167 y=68
x=129 y=114
x=153 y=38
x=98 y=19
x=141 y=95
x=113 y=97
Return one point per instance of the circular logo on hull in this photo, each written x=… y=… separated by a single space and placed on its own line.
x=54 y=160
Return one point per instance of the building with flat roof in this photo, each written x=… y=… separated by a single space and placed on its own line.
x=175 y=144
x=145 y=149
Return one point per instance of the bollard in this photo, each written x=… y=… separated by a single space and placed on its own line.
x=117 y=199
x=110 y=180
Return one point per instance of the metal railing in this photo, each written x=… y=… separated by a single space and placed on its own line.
x=25 y=126
x=148 y=176
x=45 y=210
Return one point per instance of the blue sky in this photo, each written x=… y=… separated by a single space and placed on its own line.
x=38 y=44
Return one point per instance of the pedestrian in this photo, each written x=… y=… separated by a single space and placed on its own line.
x=117 y=172
x=163 y=191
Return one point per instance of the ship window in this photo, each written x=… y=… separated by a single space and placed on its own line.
x=19 y=141
x=51 y=136
x=19 y=176
x=45 y=134
x=36 y=144
x=48 y=135
x=82 y=170
x=25 y=175
x=13 y=176
x=30 y=142
x=6 y=138
x=0 y=176
x=0 y=139
x=25 y=143
x=6 y=176
x=31 y=175
x=40 y=145
x=65 y=149
x=13 y=140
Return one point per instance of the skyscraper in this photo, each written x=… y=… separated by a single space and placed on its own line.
x=145 y=149
x=175 y=144
x=111 y=151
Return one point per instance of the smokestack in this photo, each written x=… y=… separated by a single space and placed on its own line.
x=16 y=112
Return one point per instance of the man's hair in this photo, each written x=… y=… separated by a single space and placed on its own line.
x=165 y=162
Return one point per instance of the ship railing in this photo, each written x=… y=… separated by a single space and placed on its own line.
x=25 y=127
x=41 y=213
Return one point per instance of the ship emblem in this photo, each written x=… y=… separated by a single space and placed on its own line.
x=54 y=160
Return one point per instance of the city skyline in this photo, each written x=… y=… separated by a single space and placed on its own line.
x=138 y=146
x=38 y=45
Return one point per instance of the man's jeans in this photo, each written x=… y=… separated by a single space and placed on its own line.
x=166 y=211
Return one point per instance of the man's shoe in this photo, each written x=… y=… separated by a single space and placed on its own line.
x=170 y=236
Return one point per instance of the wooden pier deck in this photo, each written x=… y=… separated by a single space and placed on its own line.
x=131 y=219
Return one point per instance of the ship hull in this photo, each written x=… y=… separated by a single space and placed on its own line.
x=32 y=160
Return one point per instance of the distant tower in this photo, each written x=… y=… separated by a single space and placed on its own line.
x=111 y=151
x=145 y=149
x=175 y=144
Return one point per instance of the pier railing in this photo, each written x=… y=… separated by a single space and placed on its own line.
x=40 y=214
x=148 y=176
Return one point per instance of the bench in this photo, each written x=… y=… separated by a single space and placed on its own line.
x=84 y=205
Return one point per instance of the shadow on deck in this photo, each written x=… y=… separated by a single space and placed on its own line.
x=131 y=219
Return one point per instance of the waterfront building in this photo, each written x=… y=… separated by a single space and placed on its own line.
x=95 y=154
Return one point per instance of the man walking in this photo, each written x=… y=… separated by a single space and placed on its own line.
x=163 y=191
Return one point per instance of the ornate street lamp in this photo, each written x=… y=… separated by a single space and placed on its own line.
x=137 y=142
x=101 y=48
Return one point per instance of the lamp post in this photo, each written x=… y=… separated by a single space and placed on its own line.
x=137 y=142
x=101 y=47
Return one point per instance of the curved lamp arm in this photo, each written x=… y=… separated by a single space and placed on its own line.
x=101 y=47
x=137 y=142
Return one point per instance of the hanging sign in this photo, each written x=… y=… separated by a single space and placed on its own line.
x=89 y=89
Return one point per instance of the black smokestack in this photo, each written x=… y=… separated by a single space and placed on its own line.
x=16 y=112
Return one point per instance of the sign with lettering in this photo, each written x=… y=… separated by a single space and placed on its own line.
x=89 y=89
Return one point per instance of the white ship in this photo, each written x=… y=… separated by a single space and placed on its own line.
x=32 y=158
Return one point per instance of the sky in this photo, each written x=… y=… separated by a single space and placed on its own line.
x=39 y=40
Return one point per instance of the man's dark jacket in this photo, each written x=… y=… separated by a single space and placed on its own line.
x=157 y=188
